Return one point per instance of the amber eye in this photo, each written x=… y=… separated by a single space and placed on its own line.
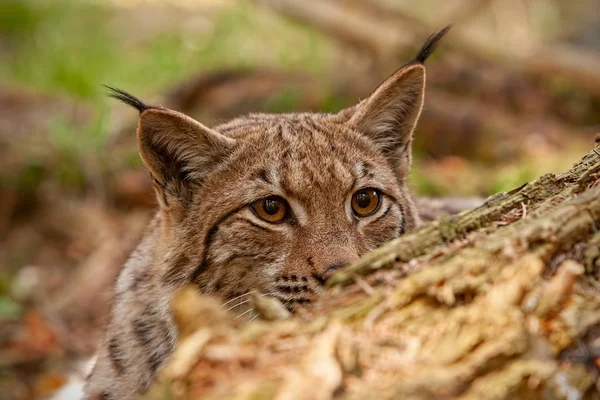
x=365 y=202
x=271 y=209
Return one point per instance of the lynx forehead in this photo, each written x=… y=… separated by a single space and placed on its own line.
x=269 y=203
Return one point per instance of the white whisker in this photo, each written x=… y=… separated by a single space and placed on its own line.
x=235 y=298
x=244 y=313
x=253 y=318
x=246 y=300
x=285 y=304
x=238 y=304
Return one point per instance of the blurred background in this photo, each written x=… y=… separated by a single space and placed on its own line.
x=513 y=93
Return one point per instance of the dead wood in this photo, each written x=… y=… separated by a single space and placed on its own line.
x=388 y=34
x=500 y=302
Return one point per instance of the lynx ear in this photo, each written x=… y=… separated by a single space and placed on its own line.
x=177 y=149
x=390 y=114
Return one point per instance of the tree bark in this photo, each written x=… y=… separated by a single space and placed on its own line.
x=500 y=302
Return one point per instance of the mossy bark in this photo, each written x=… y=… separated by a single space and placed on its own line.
x=500 y=302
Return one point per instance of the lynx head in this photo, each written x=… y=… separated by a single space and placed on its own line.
x=277 y=203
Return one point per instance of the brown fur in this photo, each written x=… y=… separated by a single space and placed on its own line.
x=206 y=232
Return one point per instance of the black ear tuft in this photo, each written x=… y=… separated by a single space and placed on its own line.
x=127 y=98
x=430 y=44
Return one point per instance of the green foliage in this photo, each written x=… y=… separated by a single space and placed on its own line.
x=424 y=184
x=334 y=103
x=285 y=101
x=512 y=178
x=59 y=46
x=9 y=308
x=31 y=176
x=73 y=47
x=17 y=18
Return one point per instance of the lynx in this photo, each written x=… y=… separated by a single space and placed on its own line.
x=269 y=203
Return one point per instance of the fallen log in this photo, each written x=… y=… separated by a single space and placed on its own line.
x=500 y=302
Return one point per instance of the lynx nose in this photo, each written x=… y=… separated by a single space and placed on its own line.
x=330 y=270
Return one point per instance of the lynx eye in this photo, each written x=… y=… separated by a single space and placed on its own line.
x=272 y=209
x=365 y=202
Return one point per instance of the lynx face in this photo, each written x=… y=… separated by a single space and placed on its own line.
x=277 y=203
x=300 y=196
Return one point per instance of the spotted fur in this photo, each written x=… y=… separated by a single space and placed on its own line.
x=206 y=232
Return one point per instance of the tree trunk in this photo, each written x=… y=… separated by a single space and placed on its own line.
x=500 y=302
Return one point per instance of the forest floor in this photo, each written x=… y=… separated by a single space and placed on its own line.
x=74 y=198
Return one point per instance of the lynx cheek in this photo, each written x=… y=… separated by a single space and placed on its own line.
x=366 y=202
x=271 y=209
